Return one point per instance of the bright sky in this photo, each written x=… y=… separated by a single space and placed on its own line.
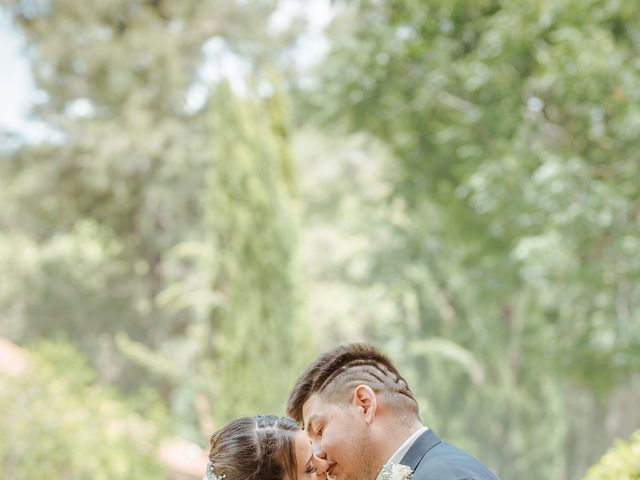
x=18 y=92
x=16 y=85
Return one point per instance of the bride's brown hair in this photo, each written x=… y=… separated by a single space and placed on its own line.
x=254 y=448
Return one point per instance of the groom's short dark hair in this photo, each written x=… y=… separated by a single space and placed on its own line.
x=337 y=372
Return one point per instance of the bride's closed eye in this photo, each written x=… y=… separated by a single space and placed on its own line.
x=311 y=469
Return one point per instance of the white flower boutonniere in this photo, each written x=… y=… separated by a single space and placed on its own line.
x=397 y=471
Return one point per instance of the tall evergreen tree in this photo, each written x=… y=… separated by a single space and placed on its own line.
x=259 y=343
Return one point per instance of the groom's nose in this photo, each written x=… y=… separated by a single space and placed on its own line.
x=318 y=451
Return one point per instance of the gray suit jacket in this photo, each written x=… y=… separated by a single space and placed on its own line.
x=433 y=459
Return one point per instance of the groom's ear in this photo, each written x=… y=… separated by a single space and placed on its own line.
x=365 y=400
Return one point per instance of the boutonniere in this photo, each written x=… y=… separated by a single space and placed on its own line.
x=397 y=471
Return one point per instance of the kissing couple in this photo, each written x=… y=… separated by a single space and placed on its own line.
x=352 y=416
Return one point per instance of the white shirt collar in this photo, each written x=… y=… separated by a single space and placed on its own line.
x=404 y=448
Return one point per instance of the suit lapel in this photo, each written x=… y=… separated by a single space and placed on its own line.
x=420 y=447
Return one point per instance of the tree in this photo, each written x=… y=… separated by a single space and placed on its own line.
x=260 y=342
x=109 y=230
x=513 y=179
x=621 y=461
x=58 y=422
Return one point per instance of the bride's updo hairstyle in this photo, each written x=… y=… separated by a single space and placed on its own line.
x=254 y=448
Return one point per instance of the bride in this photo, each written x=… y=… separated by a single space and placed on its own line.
x=264 y=447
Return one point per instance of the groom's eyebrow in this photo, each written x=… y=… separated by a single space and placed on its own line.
x=309 y=425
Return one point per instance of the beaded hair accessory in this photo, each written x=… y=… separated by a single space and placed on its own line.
x=211 y=475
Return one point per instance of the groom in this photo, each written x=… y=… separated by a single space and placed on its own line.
x=362 y=419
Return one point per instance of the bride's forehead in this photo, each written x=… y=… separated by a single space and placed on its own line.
x=302 y=444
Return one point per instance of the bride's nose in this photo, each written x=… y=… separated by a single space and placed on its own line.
x=321 y=465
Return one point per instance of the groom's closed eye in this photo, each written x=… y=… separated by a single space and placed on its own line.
x=316 y=430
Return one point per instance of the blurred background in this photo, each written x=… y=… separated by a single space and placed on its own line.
x=199 y=196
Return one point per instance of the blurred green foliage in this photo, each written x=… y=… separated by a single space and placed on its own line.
x=512 y=215
x=57 y=422
x=456 y=182
x=621 y=462
x=254 y=223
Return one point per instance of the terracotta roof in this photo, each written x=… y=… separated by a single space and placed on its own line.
x=186 y=460
x=13 y=359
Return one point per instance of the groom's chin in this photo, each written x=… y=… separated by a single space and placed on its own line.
x=339 y=475
x=330 y=475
